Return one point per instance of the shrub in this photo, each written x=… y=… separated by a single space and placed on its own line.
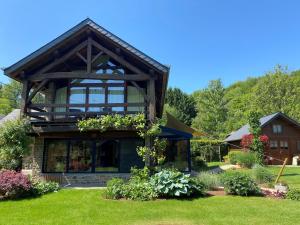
x=140 y=174
x=210 y=181
x=14 y=144
x=232 y=156
x=199 y=163
x=115 y=188
x=42 y=187
x=262 y=175
x=137 y=190
x=293 y=194
x=246 y=159
x=14 y=185
x=237 y=183
x=168 y=183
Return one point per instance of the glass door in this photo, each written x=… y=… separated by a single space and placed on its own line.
x=107 y=156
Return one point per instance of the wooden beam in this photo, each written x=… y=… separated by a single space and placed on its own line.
x=89 y=55
x=97 y=56
x=32 y=94
x=118 y=58
x=79 y=75
x=41 y=105
x=81 y=56
x=24 y=96
x=63 y=58
x=152 y=100
x=141 y=90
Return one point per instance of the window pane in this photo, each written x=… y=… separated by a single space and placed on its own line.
x=273 y=144
x=55 y=156
x=96 y=95
x=107 y=159
x=177 y=155
x=77 y=96
x=80 y=156
x=115 y=94
x=134 y=96
x=128 y=154
x=86 y=81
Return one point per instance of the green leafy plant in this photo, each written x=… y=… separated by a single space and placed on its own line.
x=14 y=144
x=246 y=159
x=262 y=175
x=43 y=187
x=170 y=183
x=139 y=190
x=209 y=180
x=233 y=156
x=198 y=163
x=293 y=194
x=115 y=188
x=237 y=183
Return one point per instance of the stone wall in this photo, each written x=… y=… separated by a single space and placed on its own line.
x=37 y=156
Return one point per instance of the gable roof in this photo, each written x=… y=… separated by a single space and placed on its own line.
x=244 y=130
x=87 y=22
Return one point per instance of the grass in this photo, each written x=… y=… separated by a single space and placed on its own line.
x=89 y=207
x=291 y=175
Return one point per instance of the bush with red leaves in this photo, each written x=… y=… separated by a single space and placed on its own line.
x=14 y=184
x=248 y=138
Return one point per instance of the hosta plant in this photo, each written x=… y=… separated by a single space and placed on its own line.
x=170 y=183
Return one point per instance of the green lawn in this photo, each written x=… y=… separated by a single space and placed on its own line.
x=89 y=207
x=290 y=174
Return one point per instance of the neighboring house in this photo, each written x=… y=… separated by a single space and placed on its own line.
x=283 y=133
x=89 y=72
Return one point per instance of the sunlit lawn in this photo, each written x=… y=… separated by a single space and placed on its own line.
x=89 y=207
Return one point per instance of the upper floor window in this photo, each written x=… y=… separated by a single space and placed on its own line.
x=277 y=128
x=273 y=144
x=284 y=145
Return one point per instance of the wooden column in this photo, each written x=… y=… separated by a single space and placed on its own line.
x=24 y=97
x=151 y=98
x=50 y=98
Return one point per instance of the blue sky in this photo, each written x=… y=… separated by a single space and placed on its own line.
x=201 y=40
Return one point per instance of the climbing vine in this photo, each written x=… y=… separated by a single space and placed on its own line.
x=150 y=131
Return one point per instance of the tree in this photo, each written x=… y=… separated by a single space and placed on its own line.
x=180 y=105
x=212 y=110
x=257 y=144
x=278 y=91
x=12 y=92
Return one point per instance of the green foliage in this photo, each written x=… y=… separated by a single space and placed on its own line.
x=257 y=145
x=155 y=152
x=42 y=187
x=139 y=190
x=180 y=105
x=208 y=149
x=140 y=174
x=246 y=159
x=14 y=143
x=169 y=183
x=293 y=194
x=237 y=183
x=114 y=188
x=198 y=163
x=12 y=92
x=233 y=156
x=212 y=110
x=5 y=106
x=209 y=180
x=262 y=175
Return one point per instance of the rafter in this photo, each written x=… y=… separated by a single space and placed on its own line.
x=119 y=58
x=63 y=58
x=80 y=56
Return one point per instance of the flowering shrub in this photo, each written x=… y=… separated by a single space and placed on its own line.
x=247 y=140
x=273 y=193
x=14 y=184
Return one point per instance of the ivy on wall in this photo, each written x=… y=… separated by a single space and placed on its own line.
x=154 y=152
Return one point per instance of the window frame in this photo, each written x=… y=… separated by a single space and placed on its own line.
x=276 y=130
x=284 y=145
x=274 y=141
x=93 y=153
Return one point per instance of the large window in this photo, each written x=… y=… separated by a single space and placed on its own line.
x=177 y=154
x=56 y=155
x=273 y=144
x=84 y=156
x=284 y=145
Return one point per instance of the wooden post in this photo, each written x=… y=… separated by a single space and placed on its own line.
x=281 y=170
x=51 y=98
x=151 y=98
x=24 y=96
x=89 y=55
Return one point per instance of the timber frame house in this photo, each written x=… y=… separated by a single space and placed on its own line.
x=88 y=72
